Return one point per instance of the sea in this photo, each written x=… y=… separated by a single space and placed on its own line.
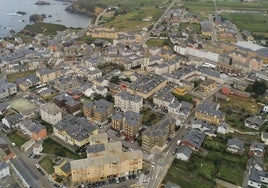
x=10 y=20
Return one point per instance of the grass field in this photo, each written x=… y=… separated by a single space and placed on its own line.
x=236 y=109
x=202 y=170
x=15 y=76
x=22 y=106
x=47 y=164
x=18 y=138
x=45 y=28
x=150 y=117
x=55 y=148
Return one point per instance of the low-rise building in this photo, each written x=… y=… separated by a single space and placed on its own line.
x=210 y=112
x=147 y=85
x=7 y=89
x=96 y=139
x=257 y=149
x=35 y=130
x=63 y=169
x=46 y=75
x=257 y=178
x=254 y=122
x=126 y=101
x=50 y=113
x=193 y=139
x=75 y=131
x=236 y=146
x=98 y=111
x=38 y=147
x=184 y=153
x=4 y=170
x=12 y=121
x=101 y=168
x=264 y=137
x=68 y=103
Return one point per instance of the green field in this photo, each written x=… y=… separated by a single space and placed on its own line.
x=150 y=117
x=256 y=23
x=203 y=169
x=18 y=138
x=45 y=28
x=55 y=148
x=47 y=164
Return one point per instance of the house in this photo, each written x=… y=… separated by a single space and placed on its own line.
x=50 y=113
x=35 y=130
x=46 y=75
x=75 y=130
x=38 y=147
x=257 y=149
x=254 y=122
x=236 y=146
x=13 y=120
x=257 y=178
x=4 y=107
x=68 y=103
x=265 y=108
x=98 y=111
x=4 y=170
x=27 y=145
x=193 y=139
x=63 y=169
x=264 y=137
x=223 y=128
x=184 y=153
x=7 y=89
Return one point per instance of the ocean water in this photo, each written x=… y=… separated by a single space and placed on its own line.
x=9 y=19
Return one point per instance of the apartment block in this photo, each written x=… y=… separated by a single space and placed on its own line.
x=75 y=130
x=50 y=113
x=126 y=101
x=98 y=111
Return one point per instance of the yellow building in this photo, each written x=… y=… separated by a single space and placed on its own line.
x=46 y=75
x=100 y=168
x=210 y=112
x=179 y=91
x=63 y=169
x=208 y=85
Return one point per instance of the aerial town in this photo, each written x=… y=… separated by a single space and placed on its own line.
x=179 y=101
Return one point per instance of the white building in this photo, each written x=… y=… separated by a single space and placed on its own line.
x=38 y=147
x=184 y=153
x=127 y=101
x=4 y=170
x=51 y=113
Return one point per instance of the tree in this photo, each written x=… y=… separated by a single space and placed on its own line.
x=110 y=98
x=115 y=80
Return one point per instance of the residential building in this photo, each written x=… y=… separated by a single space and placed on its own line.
x=27 y=145
x=98 y=111
x=50 y=113
x=117 y=121
x=257 y=149
x=7 y=89
x=104 y=149
x=126 y=101
x=254 y=122
x=68 y=103
x=67 y=83
x=96 y=139
x=4 y=107
x=208 y=85
x=101 y=168
x=157 y=135
x=236 y=146
x=264 y=137
x=35 y=130
x=75 y=130
x=12 y=121
x=210 y=112
x=63 y=169
x=38 y=147
x=193 y=139
x=257 y=178
x=147 y=85
x=46 y=75
x=4 y=170
x=184 y=153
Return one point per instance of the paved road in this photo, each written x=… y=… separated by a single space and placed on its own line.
x=42 y=180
